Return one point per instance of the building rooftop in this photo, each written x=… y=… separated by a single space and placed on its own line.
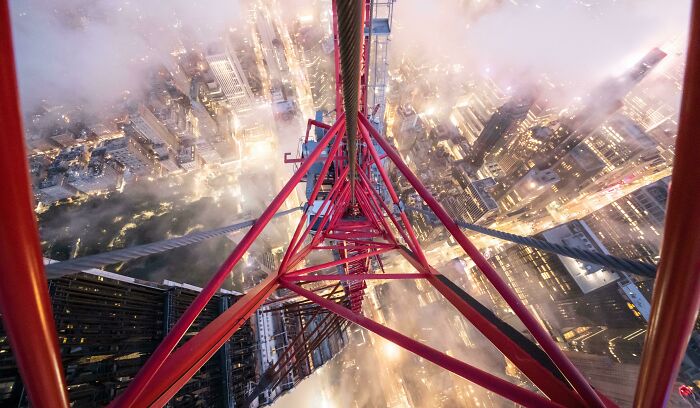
x=577 y=234
x=116 y=144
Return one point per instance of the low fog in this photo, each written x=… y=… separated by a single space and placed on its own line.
x=576 y=44
x=97 y=52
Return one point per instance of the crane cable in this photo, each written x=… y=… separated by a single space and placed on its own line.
x=621 y=264
x=350 y=16
x=98 y=261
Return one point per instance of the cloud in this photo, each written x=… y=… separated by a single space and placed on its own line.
x=95 y=52
x=572 y=41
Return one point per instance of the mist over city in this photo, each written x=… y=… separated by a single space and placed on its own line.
x=158 y=132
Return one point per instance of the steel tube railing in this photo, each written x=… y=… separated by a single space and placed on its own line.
x=677 y=288
x=148 y=371
x=572 y=374
x=24 y=297
x=464 y=370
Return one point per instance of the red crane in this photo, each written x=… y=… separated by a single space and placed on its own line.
x=355 y=221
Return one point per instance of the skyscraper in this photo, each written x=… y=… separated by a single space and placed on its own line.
x=583 y=294
x=473 y=111
x=603 y=102
x=532 y=185
x=127 y=152
x=475 y=203
x=145 y=123
x=501 y=122
x=631 y=226
x=109 y=324
x=615 y=380
x=227 y=70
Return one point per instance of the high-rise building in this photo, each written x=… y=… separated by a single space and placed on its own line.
x=604 y=101
x=407 y=127
x=504 y=120
x=204 y=125
x=227 y=70
x=628 y=153
x=532 y=185
x=576 y=171
x=631 y=226
x=187 y=158
x=145 y=123
x=108 y=325
x=475 y=204
x=55 y=187
x=99 y=175
x=284 y=359
x=129 y=154
x=525 y=139
x=472 y=111
x=567 y=293
x=613 y=379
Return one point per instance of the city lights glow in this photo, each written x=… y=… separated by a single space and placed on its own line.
x=391 y=351
x=170 y=139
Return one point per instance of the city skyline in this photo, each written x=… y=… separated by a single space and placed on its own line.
x=195 y=137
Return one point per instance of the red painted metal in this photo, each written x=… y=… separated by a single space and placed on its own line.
x=539 y=375
x=353 y=215
x=365 y=129
x=374 y=197
x=359 y=276
x=294 y=253
x=578 y=381
x=152 y=366
x=676 y=296
x=330 y=198
x=337 y=262
x=24 y=298
x=288 y=160
x=464 y=370
x=182 y=364
x=316 y=123
x=357 y=247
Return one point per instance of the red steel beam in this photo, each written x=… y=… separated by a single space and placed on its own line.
x=379 y=205
x=297 y=254
x=300 y=335
x=676 y=296
x=365 y=129
x=24 y=298
x=360 y=247
x=538 y=374
x=578 y=381
x=367 y=199
x=464 y=370
x=299 y=237
x=154 y=363
x=191 y=356
x=338 y=211
x=336 y=262
x=359 y=276
x=378 y=202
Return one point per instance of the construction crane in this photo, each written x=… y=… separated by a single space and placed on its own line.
x=357 y=225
